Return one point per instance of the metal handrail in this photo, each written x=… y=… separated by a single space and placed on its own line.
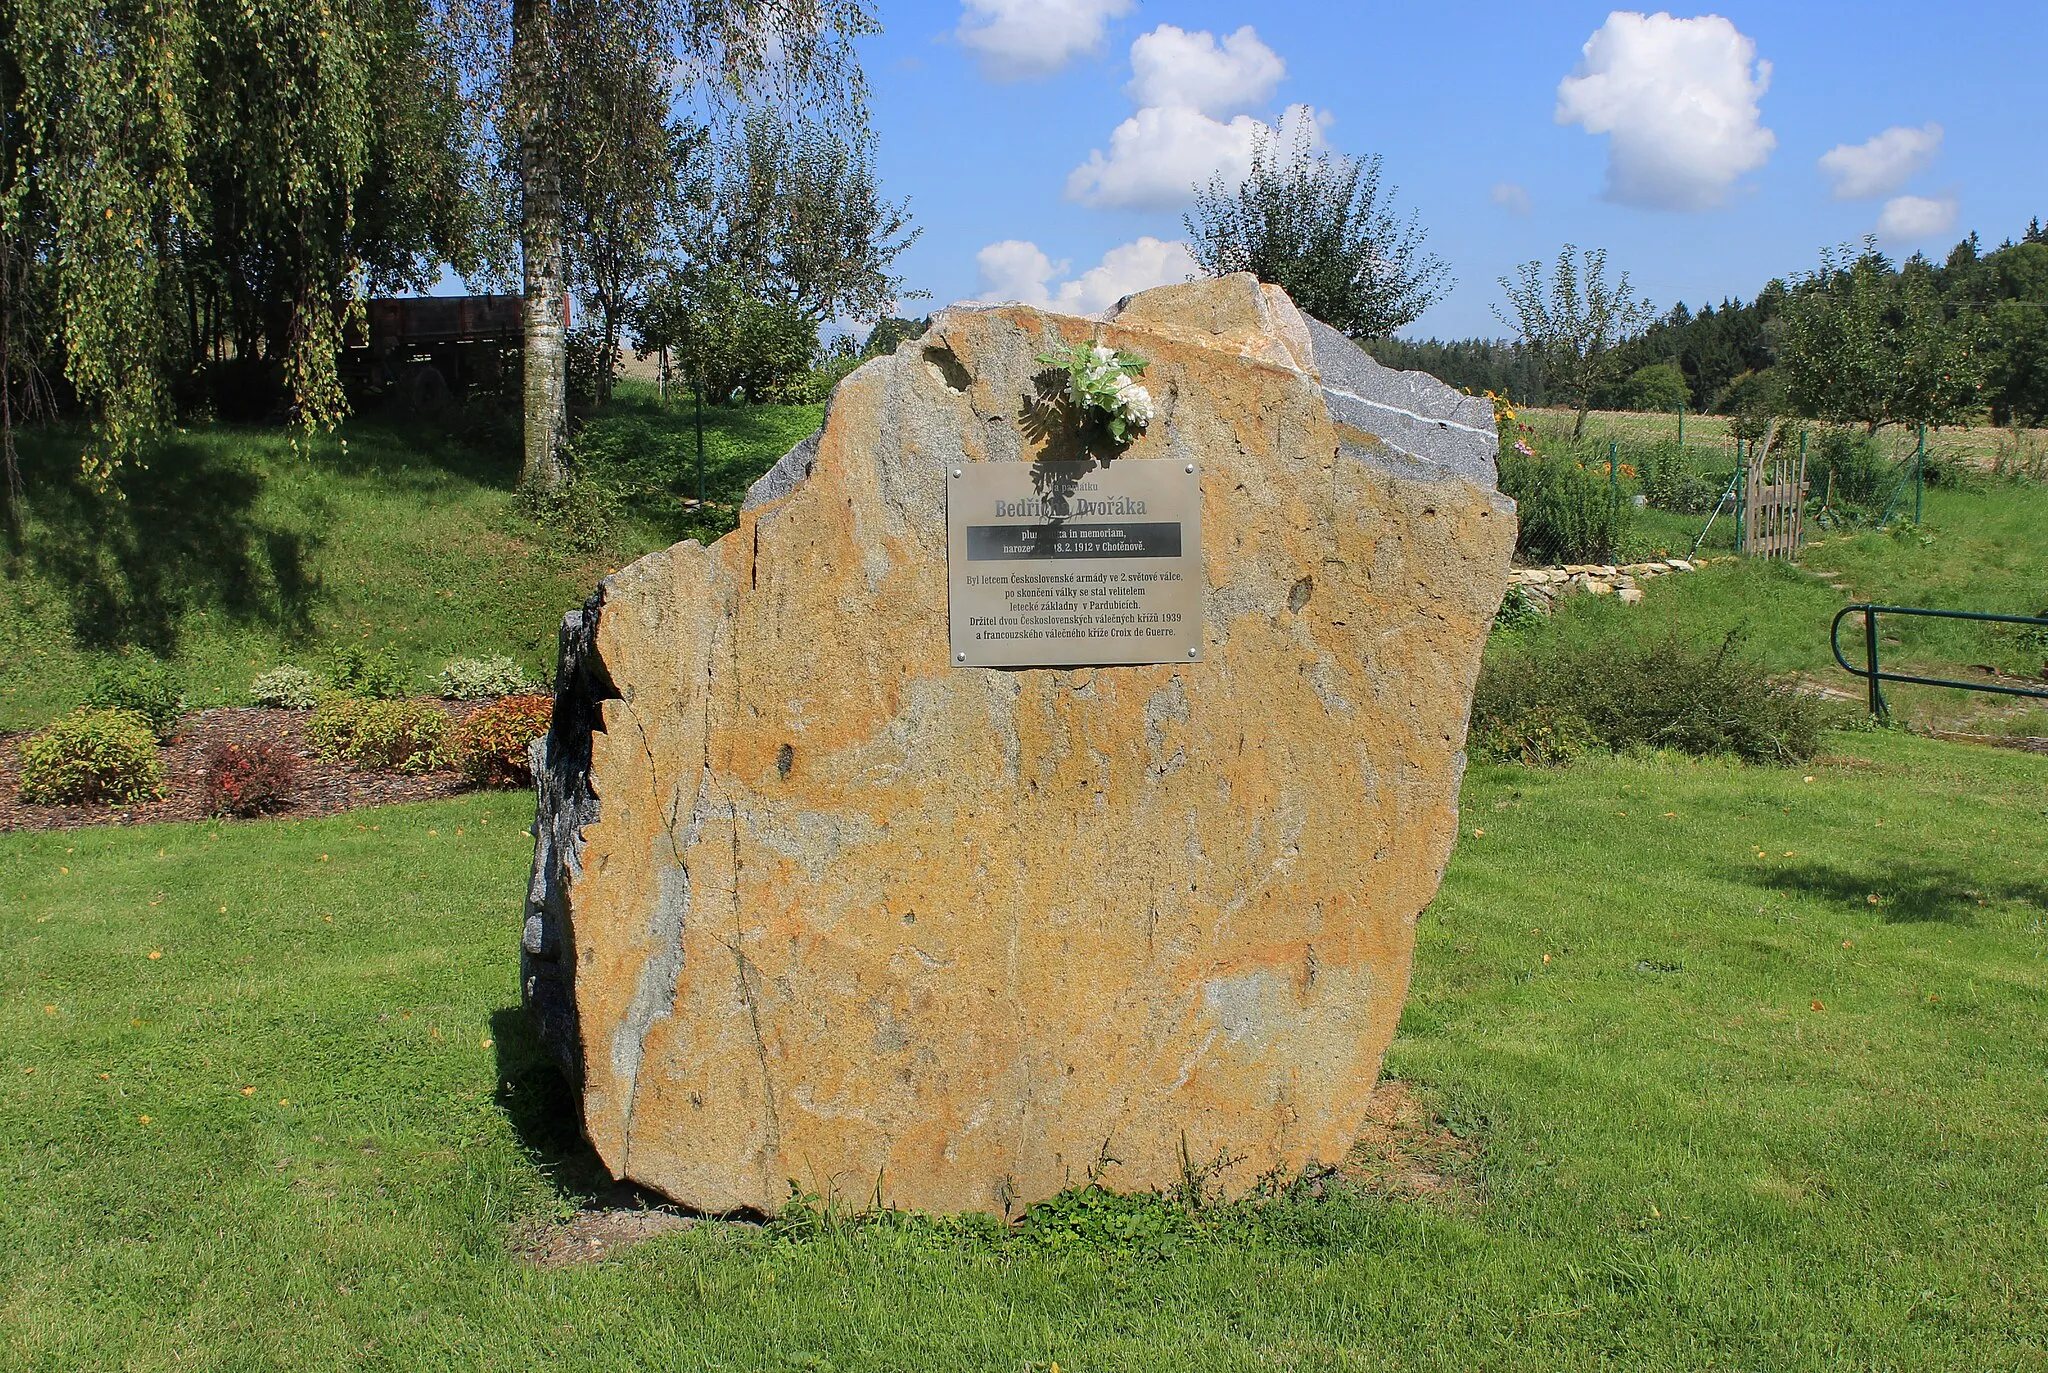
x=1873 y=673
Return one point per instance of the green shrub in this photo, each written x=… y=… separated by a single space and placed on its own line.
x=92 y=757
x=389 y=736
x=286 y=688
x=1660 y=386
x=489 y=747
x=584 y=514
x=1568 y=512
x=1951 y=473
x=814 y=385
x=473 y=679
x=142 y=686
x=355 y=671
x=1860 y=474
x=1518 y=611
x=1679 y=479
x=1543 y=735
x=1753 y=399
x=590 y=373
x=1549 y=700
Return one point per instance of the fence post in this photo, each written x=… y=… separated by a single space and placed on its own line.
x=1741 y=500
x=700 y=439
x=1920 y=476
x=1613 y=476
x=1681 y=426
x=1877 y=706
x=1799 y=499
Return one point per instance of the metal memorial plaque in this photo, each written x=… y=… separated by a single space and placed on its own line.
x=1056 y=564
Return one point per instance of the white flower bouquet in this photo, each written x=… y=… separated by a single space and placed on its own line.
x=1103 y=381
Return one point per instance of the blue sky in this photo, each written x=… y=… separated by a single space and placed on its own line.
x=1698 y=168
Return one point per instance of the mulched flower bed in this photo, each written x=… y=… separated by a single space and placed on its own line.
x=322 y=789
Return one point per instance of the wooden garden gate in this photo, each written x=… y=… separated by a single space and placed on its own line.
x=1773 y=509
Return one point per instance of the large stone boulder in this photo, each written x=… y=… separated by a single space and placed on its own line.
x=813 y=905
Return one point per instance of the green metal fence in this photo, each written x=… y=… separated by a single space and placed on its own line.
x=1872 y=671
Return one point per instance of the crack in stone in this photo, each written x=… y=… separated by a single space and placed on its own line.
x=772 y=1145
x=664 y=966
x=742 y=967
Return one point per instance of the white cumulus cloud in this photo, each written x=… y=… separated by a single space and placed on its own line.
x=1016 y=270
x=1192 y=91
x=1020 y=271
x=1878 y=166
x=1016 y=39
x=1172 y=67
x=1677 y=99
x=1511 y=197
x=1911 y=218
x=1159 y=155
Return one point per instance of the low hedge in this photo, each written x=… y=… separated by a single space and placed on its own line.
x=143 y=687
x=489 y=747
x=389 y=736
x=1549 y=700
x=92 y=757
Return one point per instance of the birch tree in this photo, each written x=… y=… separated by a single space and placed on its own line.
x=722 y=52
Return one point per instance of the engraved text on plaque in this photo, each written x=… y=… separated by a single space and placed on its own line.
x=1051 y=564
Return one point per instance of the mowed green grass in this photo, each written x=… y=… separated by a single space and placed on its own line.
x=1777 y=1099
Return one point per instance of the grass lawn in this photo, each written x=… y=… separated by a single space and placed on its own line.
x=1757 y=1064
x=1983 y=549
x=234 y=550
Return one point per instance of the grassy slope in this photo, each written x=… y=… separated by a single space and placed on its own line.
x=1984 y=550
x=1688 y=1165
x=233 y=551
x=649 y=454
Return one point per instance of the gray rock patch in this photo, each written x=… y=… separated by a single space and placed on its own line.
x=1416 y=416
x=789 y=472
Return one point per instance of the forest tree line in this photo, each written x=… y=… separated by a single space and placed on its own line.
x=1987 y=310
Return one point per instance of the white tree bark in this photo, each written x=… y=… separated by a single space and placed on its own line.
x=542 y=247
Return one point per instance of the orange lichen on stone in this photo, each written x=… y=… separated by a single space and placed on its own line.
x=831 y=909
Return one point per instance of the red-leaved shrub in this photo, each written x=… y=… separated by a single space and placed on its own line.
x=489 y=747
x=249 y=779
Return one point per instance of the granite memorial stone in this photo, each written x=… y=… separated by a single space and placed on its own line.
x=812 y=901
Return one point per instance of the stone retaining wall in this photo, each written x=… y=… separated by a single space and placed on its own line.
x=1544 y=585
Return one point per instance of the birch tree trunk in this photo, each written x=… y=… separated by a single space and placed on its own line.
x=542 y=246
